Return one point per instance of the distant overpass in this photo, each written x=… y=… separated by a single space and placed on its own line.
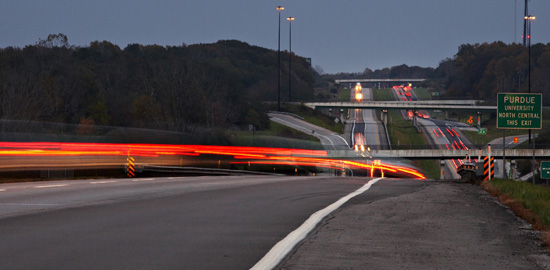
x=470 y=105
x=445 y=154
x=396 y=80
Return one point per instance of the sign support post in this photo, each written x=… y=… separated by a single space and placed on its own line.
x=504 y=153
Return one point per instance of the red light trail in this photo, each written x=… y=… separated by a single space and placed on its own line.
x=253 y=155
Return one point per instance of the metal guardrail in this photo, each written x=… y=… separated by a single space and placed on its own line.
x=198 y=170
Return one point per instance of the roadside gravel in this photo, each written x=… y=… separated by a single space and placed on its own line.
x=445 y=225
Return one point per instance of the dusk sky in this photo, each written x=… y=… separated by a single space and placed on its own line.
x=338 y=35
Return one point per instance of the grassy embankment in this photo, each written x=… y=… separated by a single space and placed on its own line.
x=276 y=136
x=527 y=201
x=315 y=117
x=344 y=94
x=403 y=134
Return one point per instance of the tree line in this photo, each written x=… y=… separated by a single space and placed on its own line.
x=479 y=71
x=476 y=71
x=177 y=88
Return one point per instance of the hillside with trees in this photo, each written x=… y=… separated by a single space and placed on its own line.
x=479 y=71
x=176 y=88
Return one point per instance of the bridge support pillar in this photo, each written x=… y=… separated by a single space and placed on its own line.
x=478 y=119
x=384 y=116
x=442 y=169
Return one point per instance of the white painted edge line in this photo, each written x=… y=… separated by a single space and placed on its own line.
x=2 y=190
x=283 y=247
x=103 y=182
x=51 y=186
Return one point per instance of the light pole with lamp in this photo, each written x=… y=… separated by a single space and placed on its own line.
x=289 y=19
x=279 y=8
x=528 y=19
x=528 y=40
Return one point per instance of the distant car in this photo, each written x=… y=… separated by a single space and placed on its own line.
x=407 y=94
x=404 y=98
x=423 y=115
x=400 y=93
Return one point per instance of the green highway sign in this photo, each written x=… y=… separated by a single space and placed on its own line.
x=482 y=131
x=545 y=169
x=519 y=111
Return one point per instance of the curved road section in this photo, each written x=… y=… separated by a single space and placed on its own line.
x=329 y=139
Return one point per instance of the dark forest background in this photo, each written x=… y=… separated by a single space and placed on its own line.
x=178 y=88
x=228 y=84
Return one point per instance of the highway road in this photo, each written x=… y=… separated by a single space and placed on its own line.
x=365 y=126
x=444 y=134
x=329 y=139
x=447 y=135
x=240 y=222
x=158 y=223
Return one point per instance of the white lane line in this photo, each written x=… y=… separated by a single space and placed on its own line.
x=143 y=179
x=27 y=204
x=2 y=190
x=51 y=186
x=103 y=182
x=281 y=249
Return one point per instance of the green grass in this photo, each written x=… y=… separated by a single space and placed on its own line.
x=344 y=94
x=532 y=197
x=276 y=136
x=383 y=94
x=423 y=94
x=402 y=132
x=429 y=167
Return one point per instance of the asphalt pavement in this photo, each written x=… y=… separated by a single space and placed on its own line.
x=157 y=223
x=232 y=223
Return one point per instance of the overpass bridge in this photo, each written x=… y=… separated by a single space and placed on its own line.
x=395 y=80
x=444 y=154
x=470 y=105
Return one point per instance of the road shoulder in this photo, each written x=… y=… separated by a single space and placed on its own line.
x=442 y=226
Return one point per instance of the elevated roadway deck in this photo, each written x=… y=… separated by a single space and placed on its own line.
x=378 y=80
x=470 y=105
x=445 y=154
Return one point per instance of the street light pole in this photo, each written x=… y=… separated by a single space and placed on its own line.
x=529 y=19
x=290 y=19
x=279 y=8
x=528 y=36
